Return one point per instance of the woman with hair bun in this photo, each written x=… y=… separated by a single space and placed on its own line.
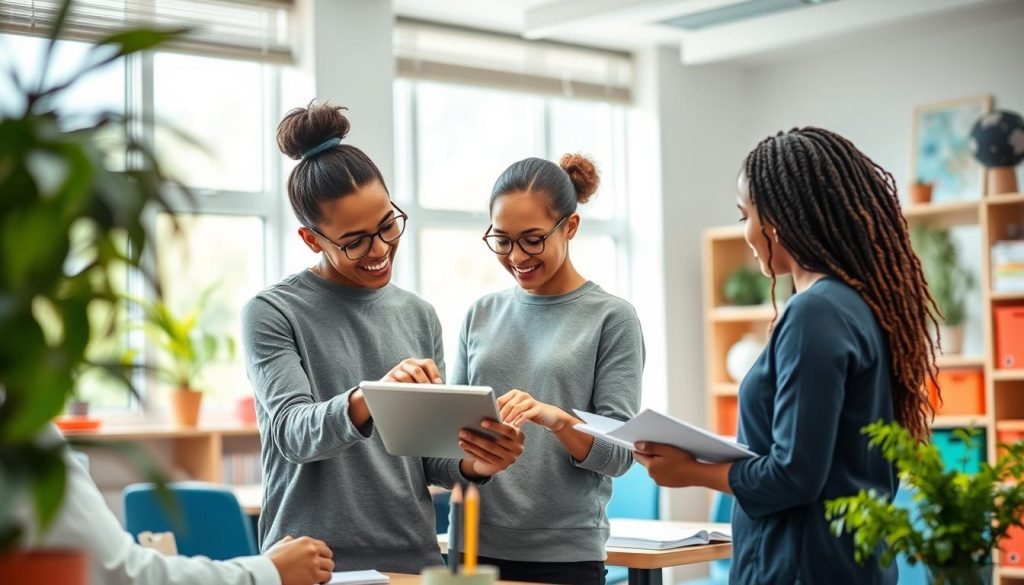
x=311 y=338
x=559 y=342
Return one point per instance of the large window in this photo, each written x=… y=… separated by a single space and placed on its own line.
x=452 y=142
x=211 y=133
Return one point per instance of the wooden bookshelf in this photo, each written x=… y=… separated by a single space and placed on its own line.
x=199 y=452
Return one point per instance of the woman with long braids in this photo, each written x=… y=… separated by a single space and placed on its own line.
x=851 y=347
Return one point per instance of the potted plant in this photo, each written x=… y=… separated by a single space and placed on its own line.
x=57 y=192
x=746 y=286
x=185 y=348
x=958 y=518
x=921 y=192
x=948 y=281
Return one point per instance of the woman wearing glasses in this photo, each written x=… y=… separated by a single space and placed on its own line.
x=559 y=342
x=313 y=336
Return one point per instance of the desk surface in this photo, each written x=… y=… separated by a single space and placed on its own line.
x=635 y=558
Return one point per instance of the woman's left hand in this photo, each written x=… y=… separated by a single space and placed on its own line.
x=518 y=408
x=668 y=466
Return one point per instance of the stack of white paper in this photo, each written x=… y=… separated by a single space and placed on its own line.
x=358 y=578
x=654 y=535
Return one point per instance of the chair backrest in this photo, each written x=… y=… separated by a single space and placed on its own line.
x=206 y=519
x=634 y=495
x=721 y=511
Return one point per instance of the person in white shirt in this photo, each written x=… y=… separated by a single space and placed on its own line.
x=84 y=522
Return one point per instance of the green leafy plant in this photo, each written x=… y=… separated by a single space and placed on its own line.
x=747 y=286
x=949 y=282
x=960 y=516
x=186 y=348
x=62 y=214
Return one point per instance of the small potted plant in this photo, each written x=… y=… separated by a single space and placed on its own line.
x=921 y=192
x=185 y=349
x=948 y=281
x=958 y=517
x=746 y=286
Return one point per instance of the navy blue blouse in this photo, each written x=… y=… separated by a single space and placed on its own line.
x=824 y=375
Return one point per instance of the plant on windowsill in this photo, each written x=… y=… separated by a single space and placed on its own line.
x=948 y=281
x=921 y=192
x=186 y=348
x=958 y=517
x=61 y=213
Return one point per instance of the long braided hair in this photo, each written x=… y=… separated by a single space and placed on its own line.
x=837 y=213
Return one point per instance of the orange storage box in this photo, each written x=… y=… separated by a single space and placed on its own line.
x=1010 y=337
x=728 y=416
x=963 y=392
x=1012 y=548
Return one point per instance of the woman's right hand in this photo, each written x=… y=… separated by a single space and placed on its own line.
x=416 y=371
x=302 y=561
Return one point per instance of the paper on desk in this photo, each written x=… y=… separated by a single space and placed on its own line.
x=655 y=427
x=654 y=535
x=358 y=578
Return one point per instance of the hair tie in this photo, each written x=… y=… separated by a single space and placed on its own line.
x=325 y=145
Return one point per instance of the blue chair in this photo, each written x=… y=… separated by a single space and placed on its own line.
x=207 y=521
x=634 y=495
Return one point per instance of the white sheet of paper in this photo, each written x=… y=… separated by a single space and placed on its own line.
x=655 y=427
x=358 y=578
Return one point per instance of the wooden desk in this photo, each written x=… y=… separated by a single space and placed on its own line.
x=645 y=565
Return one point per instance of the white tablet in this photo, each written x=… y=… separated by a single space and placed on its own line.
x=424 y=420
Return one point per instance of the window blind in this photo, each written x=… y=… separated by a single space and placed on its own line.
x=441 y=53
x=258 y=30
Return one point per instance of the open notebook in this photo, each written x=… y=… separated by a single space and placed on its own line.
x=655 y=535
x=358 y=578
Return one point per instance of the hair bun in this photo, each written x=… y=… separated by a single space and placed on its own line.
x=306 y=128
x=583 y=173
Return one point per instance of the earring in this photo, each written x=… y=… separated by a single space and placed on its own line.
x=776 y=232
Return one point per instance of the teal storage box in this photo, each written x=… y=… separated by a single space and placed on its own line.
x=955 y=452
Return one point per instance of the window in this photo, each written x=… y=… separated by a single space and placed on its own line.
x=452 y=142
x=225 y=106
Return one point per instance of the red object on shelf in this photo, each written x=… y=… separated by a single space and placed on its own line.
x=77 y=423
x=963 y=392
x=1010 y=337
x=728 y=416
x=1012 y=548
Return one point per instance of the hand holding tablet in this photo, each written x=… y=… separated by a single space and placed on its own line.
x=446 y=421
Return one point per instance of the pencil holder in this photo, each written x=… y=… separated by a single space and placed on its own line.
x=484 y=575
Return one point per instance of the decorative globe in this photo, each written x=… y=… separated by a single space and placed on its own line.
x=997 y=139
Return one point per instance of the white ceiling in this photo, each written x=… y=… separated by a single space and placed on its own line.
x=631 y=24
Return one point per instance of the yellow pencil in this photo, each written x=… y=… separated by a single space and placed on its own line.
x=471 y=532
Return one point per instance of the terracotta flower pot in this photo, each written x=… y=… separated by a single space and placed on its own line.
x=920 y=193
x=185 y=406
x=45 y=567
x=1001 y=180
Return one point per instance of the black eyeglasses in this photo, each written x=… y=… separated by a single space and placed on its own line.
x=531 y=245
x=358 y=248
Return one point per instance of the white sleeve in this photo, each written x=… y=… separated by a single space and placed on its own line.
x=85 y=521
